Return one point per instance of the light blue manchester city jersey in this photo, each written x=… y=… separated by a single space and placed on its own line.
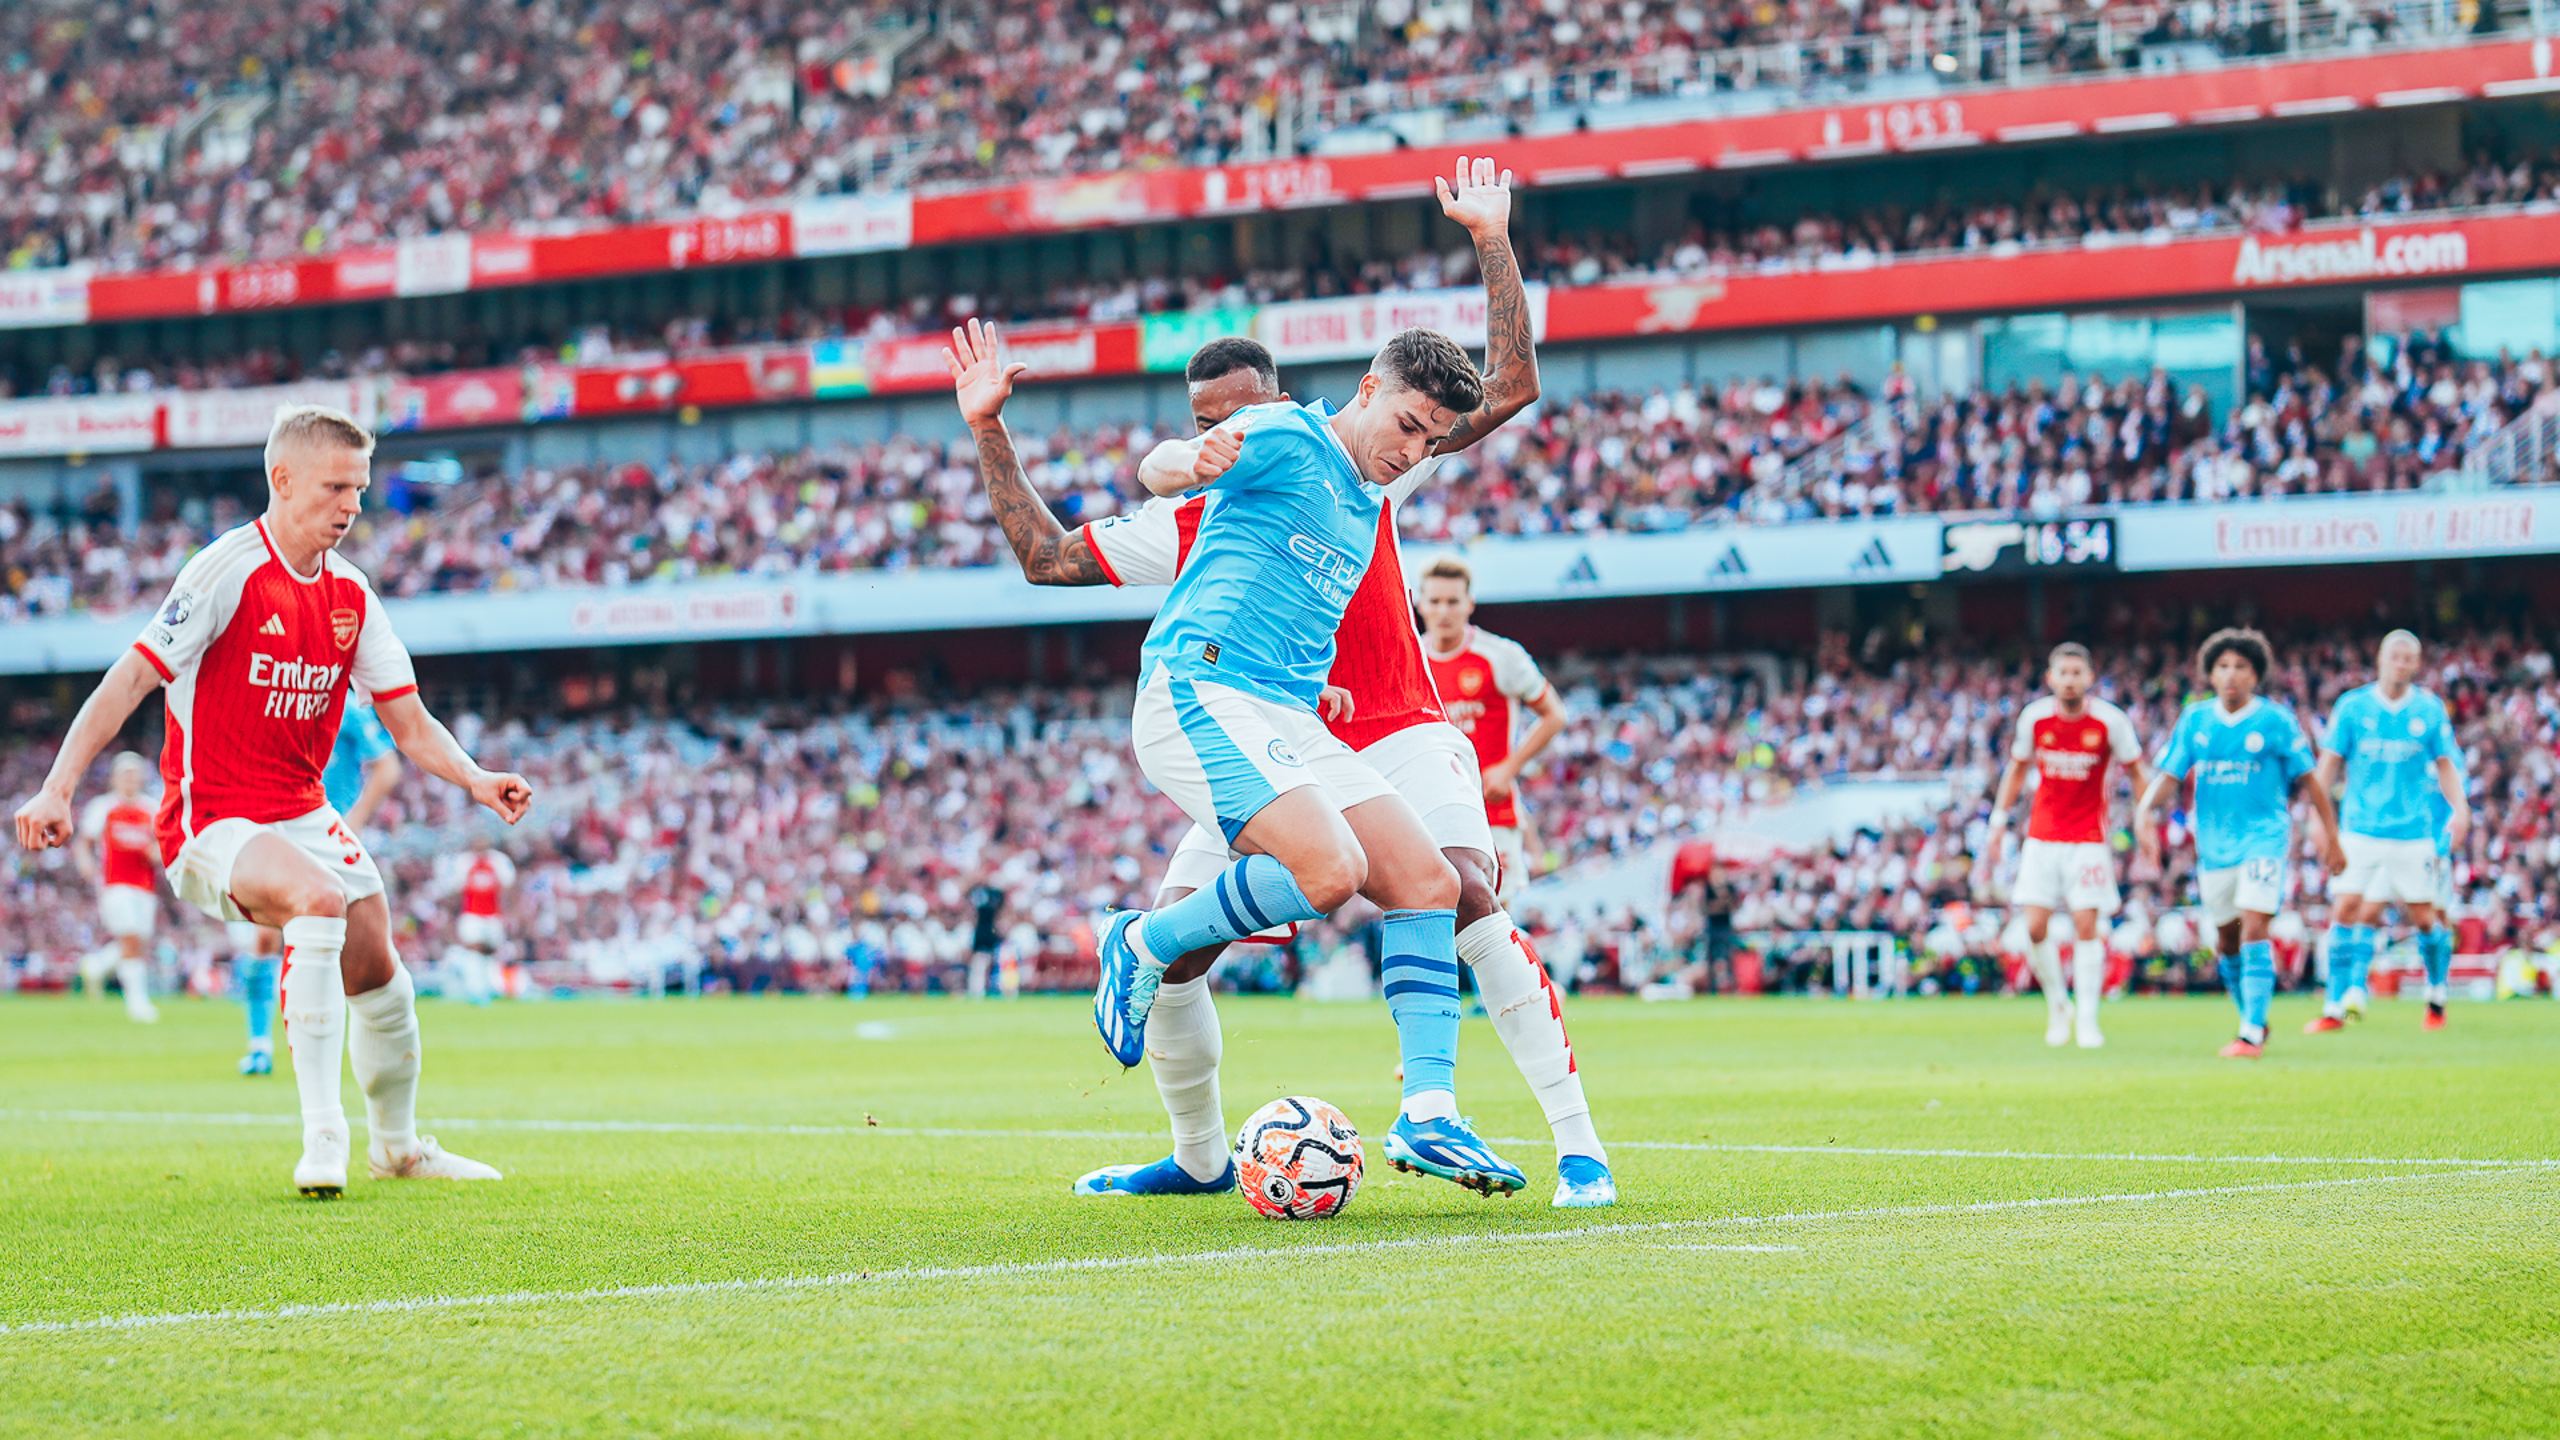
x=2391 y=753
x=1283 y=541
x=361 y=741
x=2245 y=766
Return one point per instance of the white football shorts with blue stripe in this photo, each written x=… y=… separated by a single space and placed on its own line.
x=1432 y=766
x=1222 y=754
x=2408 y=871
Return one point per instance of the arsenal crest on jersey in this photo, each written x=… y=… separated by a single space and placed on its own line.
x=342 y=623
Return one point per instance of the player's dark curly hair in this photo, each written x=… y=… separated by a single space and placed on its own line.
x=2237 y=640
x=1432 y=363
x=1227 y=355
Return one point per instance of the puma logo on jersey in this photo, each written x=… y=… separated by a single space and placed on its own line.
x=274 y=626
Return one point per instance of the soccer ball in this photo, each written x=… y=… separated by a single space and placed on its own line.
x=1298 y=1159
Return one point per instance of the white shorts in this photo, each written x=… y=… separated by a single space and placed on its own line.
x=481 y=932
x=128 y=910
x=202 y=873
x=2408 y=871
x=2255 y=885
x=2062 y=875
x=1511 y=860
x=1222 y=754
x=1432 y=766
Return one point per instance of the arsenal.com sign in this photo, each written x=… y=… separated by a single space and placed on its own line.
x=679 y=612
x=2360 y=256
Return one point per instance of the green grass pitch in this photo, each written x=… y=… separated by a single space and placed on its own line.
x=1951 y=1230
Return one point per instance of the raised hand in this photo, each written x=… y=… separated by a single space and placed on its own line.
x=1478 y=197
x=1218 y=451
x=979 y=372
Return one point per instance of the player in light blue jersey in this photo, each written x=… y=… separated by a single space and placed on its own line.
x=2247 y=756
x=1226 y=723
x=2404 y=810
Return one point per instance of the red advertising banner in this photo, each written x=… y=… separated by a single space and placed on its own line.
x=80 y=425
x=2344 y=253
x=738 y=377
x=1052 y=352
x=454 y=402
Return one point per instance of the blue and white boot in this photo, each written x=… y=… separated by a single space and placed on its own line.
x=1451 y=1150
x=258 y=1062
x=1164 y=1177
x=1583 y=1183
x=1125 y=991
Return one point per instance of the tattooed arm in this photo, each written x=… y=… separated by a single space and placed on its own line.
x=1050 y=553
x=1481 y=201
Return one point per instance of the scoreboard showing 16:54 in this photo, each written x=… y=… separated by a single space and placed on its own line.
x=2024 y=547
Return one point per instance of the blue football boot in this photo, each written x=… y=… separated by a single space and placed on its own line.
x=1125 y=992
x=258 y=1062
x=1164 y=1177
x=1451 y=1150
x=1583 y=1183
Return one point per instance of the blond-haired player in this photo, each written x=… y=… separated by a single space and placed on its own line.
x=1485 y=682
x=256 y=646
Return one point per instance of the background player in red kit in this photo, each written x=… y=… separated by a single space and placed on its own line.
x=2069 y=740
x=258 y=642
x=1485 y=682
x=481 y=928
x=126 y=864
x=1379 y=702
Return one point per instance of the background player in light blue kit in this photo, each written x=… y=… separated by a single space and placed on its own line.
x=2246 y=756
x=1226 y=724
x=2404 y=810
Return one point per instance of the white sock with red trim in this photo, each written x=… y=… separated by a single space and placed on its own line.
x=384 y=1048
x=315 y=1015
x=1183 y=1049
x=1529 y=1016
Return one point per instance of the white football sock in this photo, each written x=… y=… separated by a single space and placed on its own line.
x=135 y=977
x=2089 y=976
x=2044 y=957
x=1431 y=1105
x=1529 y=1017
x=1184 y=1047
x=2439 y=994
x=384 y=1048
x=315 y=1014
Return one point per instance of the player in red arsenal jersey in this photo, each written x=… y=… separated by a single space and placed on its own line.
x=257 y=644
x=1380 y=703
x=482 y=926
x=120 y=853
x=1485 y=682
x=2069 y=740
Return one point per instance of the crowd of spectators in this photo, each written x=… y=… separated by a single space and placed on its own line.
x=1670 y=460
x=150 y=133
x=805 y=849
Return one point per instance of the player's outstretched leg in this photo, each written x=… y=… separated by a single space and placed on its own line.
x=387 y=1057
x=1255 y=893
x=1184 y=1046
x=1528 y=1015
x=2435 y=952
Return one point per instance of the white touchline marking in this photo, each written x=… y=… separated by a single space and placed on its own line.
x=1013 y=1268
x=1744 y=1249
x=945 y=1132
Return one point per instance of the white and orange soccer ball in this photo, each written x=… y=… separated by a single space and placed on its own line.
x=1298 y=1159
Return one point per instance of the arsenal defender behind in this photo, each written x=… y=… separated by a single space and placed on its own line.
x=119 y=824
x=1484 y=682
x=2069 y=739
x=257 y=644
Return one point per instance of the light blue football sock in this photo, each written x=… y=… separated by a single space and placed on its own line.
x=2350 y=956
x=1256 y=893
x=2228 y=966
x=2435 y=951
x=2257 y=983
x=2368 y=940
x=258 y=993
x=1421 y=981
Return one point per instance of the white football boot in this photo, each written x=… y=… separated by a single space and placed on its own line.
x=430 y=1161
x=2086 y=1032
x=321 y=1174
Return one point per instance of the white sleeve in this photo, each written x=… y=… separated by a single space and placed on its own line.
x=1414 y=479
x=1514 y=673
x=1141 y=546
x=505 y=867
x=2022 y=745
x=382 y=667
x=2120 y=737
x=198 y=606
x=93 y=816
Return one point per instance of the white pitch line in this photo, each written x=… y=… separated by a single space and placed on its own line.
x=679 y=1127
x=1019 y=1268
